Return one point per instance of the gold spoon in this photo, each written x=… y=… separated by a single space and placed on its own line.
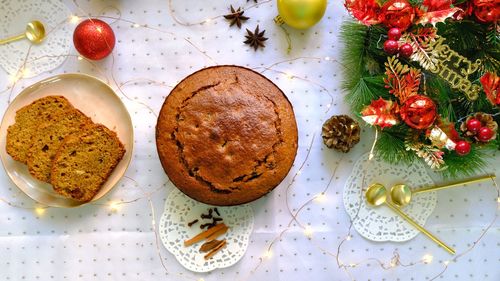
x=376 y=195
x=35 y=32
x=401 y=194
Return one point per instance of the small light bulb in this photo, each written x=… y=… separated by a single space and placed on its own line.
x=308 y=232
x=74 y=19
x=114 y=206
x=40 y=211
x=268 y=254
x=208 y=20
x=321 y=198
x=136 y=25
x=99 y=29
x=348 y=237
x=80 y=58
x=26 y=72
x=327 y=58
x=446 y=262
x=289 y=75
x=427 y=258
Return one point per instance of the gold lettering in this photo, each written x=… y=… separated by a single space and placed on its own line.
x=454 y=68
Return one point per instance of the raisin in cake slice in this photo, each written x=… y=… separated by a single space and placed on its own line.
x=28 y=119
x=49 y=137
x=84 y=162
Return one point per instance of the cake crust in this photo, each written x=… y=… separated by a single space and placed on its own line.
x=226 y=135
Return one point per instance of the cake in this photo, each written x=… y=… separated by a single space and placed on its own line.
x=49 y=138
x=28 y=119
x=84 y=162
x=226 y=135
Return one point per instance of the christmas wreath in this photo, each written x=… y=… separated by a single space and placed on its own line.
x=425 y=74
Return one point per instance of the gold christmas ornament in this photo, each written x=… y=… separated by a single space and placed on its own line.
x=300 y=14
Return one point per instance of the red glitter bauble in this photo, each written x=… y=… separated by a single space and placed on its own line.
x=487 y=11
x=94 y=39
x=397 y=13
x=419 y=112
x=462 y=148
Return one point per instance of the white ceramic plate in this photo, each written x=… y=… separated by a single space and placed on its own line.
x=91 y=96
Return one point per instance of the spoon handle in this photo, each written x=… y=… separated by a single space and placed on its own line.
x=454 y=184
x=420 y=228
x=11 y=39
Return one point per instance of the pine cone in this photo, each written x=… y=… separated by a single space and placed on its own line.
x=486 y=121
x=341 y=132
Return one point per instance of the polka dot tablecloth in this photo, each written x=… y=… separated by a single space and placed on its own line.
x=297 y=235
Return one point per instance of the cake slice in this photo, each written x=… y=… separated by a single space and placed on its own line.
x=49 y=137
x=84 y=162
x=28 y=119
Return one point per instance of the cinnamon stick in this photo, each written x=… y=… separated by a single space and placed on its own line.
x=218 y=233
x=202 y=236
x=215 y=250
x=208 y=246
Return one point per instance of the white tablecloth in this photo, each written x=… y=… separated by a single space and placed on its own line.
x=153 y=53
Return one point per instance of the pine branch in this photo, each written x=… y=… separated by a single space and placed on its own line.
x=467 y=165
x=493 y=34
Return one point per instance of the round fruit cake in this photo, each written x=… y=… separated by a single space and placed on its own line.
x=226 y=135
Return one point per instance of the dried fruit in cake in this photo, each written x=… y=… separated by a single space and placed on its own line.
x=28 y=119
x=84 y=162
x=49 y=137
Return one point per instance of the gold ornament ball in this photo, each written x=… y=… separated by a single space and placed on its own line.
x=301 y=14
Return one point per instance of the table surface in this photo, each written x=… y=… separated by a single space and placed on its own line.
x=109 y=241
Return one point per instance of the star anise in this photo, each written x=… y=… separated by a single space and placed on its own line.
x=236 y=16
x=255 y=39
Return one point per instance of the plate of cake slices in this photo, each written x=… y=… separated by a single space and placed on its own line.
x=66 y=140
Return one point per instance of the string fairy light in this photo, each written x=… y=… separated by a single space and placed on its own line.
x=308 y=232
x=427 y=258
x=321 y=198
x=74 y=19
x=40 y=211
x=395 y=261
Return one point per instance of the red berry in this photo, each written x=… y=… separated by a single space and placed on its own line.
x=394 y=33
x=462 y=148
x=473 y=125
x=406 y=50
x=391 y=46
x=485 y=134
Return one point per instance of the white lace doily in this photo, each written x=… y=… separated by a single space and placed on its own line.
x=15 y=15
x=174 y=230
x=381 y=223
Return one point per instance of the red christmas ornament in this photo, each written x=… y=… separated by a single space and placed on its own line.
x=487 y=11
x=491 y=87
x=394 y=33
x=94 y=39
x=365 y=11
x=406 y=50
x=462 y=148
x=474 y=125
x=485 y=134
x=419 y=112
x=397 y=13
x=437 y=5
x=391 y=46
